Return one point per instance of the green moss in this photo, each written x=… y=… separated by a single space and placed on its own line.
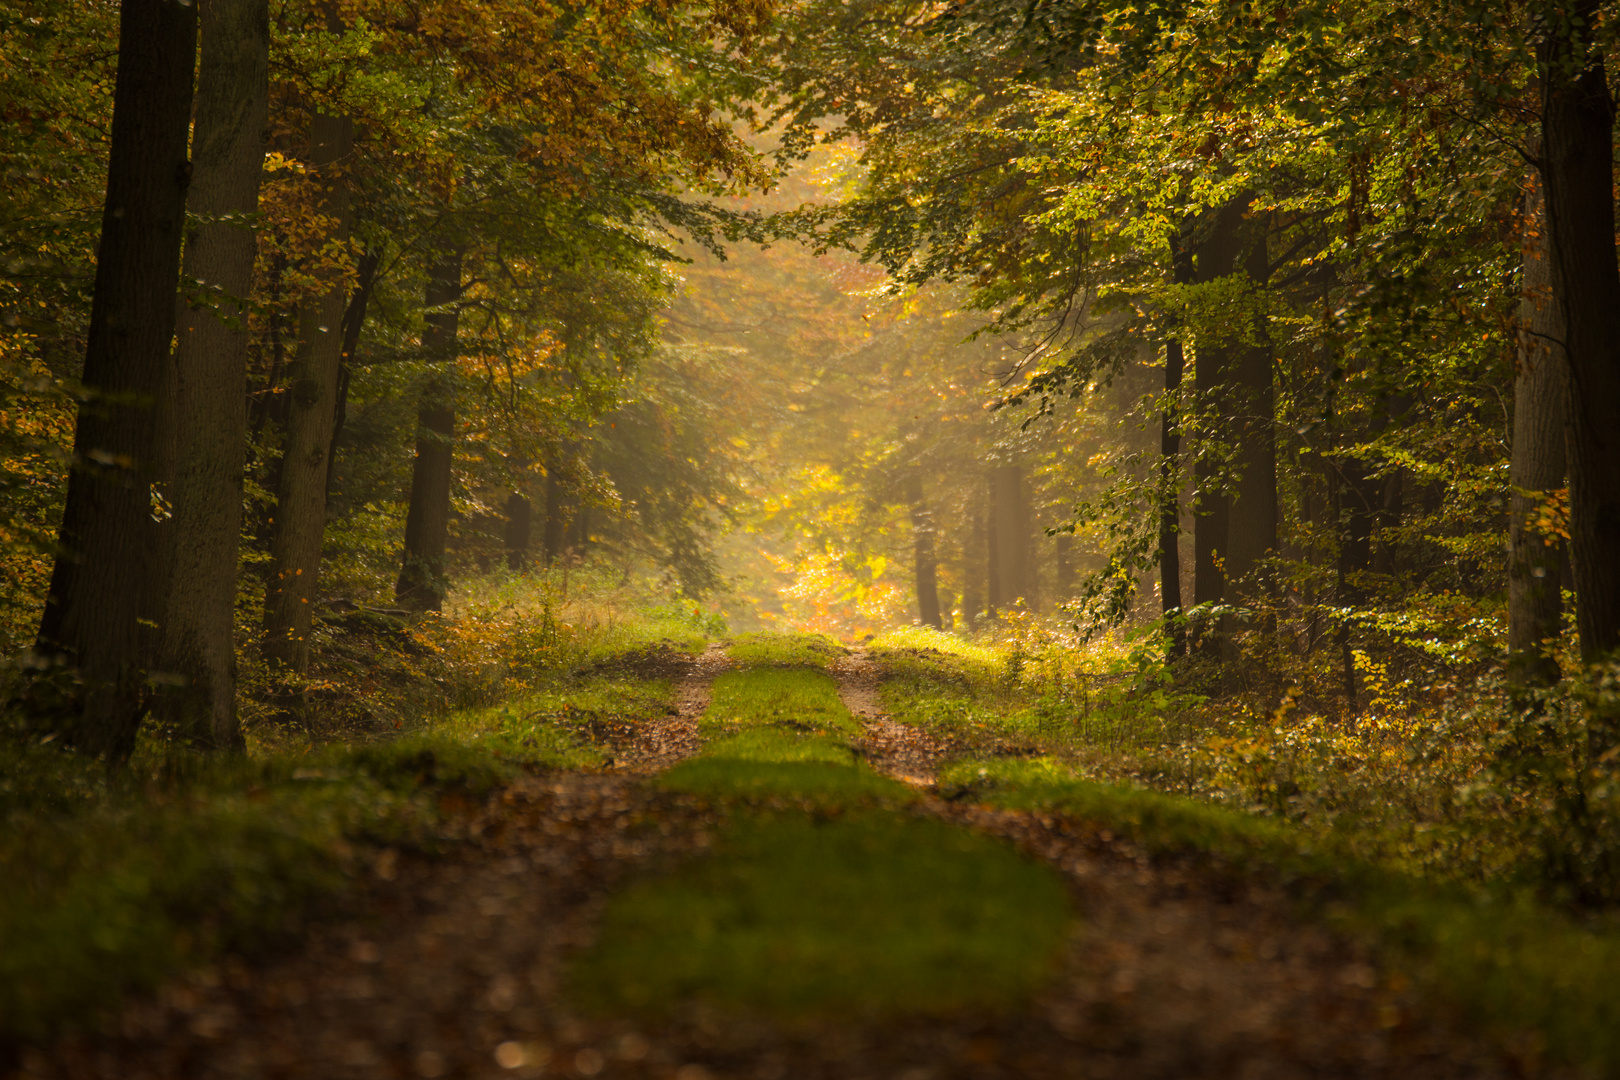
x=562 y=724
x=113 y=885
x=768 y=649
x=876 y=915
x=793 y=698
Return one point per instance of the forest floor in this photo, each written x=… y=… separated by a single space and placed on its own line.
x=466 y=964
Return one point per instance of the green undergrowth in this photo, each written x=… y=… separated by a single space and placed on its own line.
x=868 y=915
x=567 y=724
x=1529 y=975
x=772 y=649
x=114 y=884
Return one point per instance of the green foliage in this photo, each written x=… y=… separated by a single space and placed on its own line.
x=870 y=916
x=115 y=884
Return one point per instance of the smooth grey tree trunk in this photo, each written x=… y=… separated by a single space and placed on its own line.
x=1537 y=467
x=91 y=648
x=1251 y=526
x=312 y=381
x=198 y=654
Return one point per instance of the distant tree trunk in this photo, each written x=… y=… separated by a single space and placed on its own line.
x=995 y=588
x=1216 y=258
x=1009 y=537
x=1063 y=566
x=922 y=536
x=1358 y=496
x=555 y=531
x=427 y=523
x=975 y=559
x=198 y=653
x=1252 y=517
x=1392 y=503
x=519 y=516
x=1540 y=412
x=1170 y=478
x=1578 y=171
x=104 y=581
x=354 y=321
x=312 y=377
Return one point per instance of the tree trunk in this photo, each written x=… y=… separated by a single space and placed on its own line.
x=105 y=577
x=995 y=598
x=975 y=558
x=312 y=377
x=354 y=321
x=922 y=544
x=1009 y=537
x=556 y=526
x=1540 y=412
x=1357 y=506
x=427 y=523
x=1216 y=259
x=198 y=655
x=1170 y=477
x=519 y=516
x=1063 y=566
x=1578 y=171
x=1251 y=530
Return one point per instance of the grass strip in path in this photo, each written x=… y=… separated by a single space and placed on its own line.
x=869 y=915
x=768 y=649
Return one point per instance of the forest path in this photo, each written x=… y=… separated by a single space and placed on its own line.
x=457 y=966
x=663 y=741
x=900 y=750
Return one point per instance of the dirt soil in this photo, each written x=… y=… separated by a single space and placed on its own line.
x=456 y=967
x=900 y=750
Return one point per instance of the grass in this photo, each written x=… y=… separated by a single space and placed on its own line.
x=559 y=725
x=113 y=885
x=793 y=698
x=772 y=649
x=872 y=915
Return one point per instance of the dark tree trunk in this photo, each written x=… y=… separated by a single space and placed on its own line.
x=427 y=523
x=519 y=517
x=1540 y=414
x=107 y=570
x=1358 y=497
x=1578 y=172
x=1251 y=530
x=1009 y=538
x=312 y=377
x=1170 y=477
x=556 y=526
x=198 y=653
x=354 y=321
x=922 y=546
x=1216 y=258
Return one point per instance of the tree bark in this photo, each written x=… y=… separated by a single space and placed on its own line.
x=1009 y=538
x=1537 y=468
x=354 y=321
x=1578 y=173
x=197 y=654
x=555 y=530
x=1170 y=475
x=102 y=584
x=1252 y=517
x=975 y=560
x=422 y=582
x=519 y=518
x=1216 y=258
x=922 y=547
x=312 y=377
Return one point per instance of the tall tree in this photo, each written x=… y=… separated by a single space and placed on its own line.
x=427 y=524
x=1577 y=165
x=197 y=653
x=102 y=586
x=1536 y=471
x=312 y=382
x=923 y=558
